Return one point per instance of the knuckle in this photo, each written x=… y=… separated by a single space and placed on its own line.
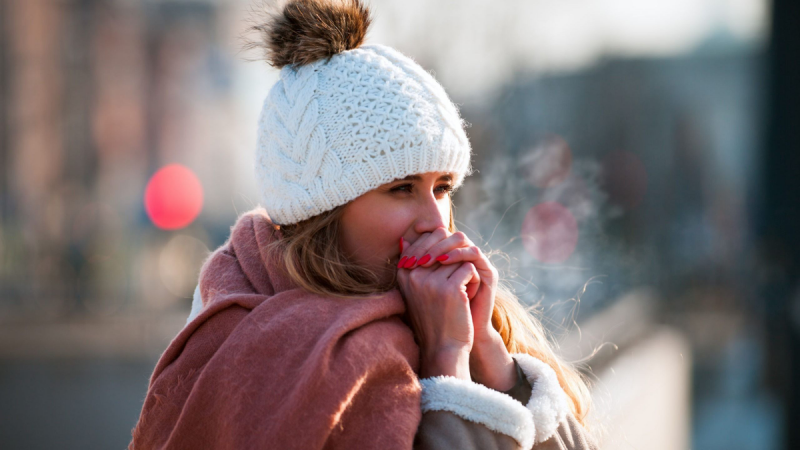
x=440 y=233
x=461 y=238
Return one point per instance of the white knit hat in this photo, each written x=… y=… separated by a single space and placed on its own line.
x=338 y=126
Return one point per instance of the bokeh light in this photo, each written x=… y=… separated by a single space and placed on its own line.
x=179 y=264
x=550 y=232
x=173 y=197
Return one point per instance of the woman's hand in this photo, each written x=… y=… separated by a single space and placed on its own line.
x=490 y=362
x=451 y=249
x=439 y=312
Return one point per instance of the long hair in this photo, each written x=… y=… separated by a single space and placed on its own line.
x=312 y=256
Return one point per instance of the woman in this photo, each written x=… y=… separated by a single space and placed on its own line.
x=350 y=313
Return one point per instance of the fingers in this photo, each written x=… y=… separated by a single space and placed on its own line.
x=425 y=250
x=417 y=276
x=463 y=276
x=437 y=246
x=438 y=251
x=474 y=283
x=415 y=252
x=446 y=274
x=472 y=254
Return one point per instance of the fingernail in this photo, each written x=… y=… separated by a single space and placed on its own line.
x=402 y=260
x=410 y=262
x=401 y=244
x=424 y=259
x=442 y=258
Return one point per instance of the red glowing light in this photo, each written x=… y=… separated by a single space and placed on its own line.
x=173 y=197
x=550 y=232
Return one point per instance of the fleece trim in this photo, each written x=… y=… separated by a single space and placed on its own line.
x=477 y=403
x=197 y=305
x=549 y=403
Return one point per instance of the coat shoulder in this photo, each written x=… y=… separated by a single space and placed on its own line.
x=569 y=435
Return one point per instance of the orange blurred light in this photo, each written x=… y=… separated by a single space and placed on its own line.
x=550 y=232
x=173 y=197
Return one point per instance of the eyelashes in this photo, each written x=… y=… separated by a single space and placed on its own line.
x=448 y=188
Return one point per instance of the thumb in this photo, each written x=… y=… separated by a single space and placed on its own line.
x=466 y=278
x=474 y=284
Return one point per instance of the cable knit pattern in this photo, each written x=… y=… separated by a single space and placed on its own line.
x=549 y=403
x=335 y=129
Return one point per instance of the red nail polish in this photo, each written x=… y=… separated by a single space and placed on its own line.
x=402 y=261
x=410 y=262
x=424 y=259
x=442 y=258
x=401 y=244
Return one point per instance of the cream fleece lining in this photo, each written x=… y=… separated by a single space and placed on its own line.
x=548 y=404
x=478 y=403
x=534 y=423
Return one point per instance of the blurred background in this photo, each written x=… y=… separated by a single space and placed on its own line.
x=637 y=162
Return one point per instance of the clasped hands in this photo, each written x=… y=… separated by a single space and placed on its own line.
x=449 y=287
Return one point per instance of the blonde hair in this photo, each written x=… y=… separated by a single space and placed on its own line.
x=312 y=257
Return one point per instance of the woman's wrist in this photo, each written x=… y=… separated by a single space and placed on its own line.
x=491 y=364
x=454 y=362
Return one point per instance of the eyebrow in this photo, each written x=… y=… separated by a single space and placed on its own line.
x=447 y=176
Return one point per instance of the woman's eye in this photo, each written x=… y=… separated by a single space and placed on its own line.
x=401 y=187
x=443 y=188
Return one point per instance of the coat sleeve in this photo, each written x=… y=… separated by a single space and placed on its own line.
x=466 y=415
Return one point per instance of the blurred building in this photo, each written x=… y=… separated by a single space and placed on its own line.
x=97 y=96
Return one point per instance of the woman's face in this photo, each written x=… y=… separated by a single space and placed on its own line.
x=372 y=224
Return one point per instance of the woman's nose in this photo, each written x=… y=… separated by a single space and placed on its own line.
x=432 y=214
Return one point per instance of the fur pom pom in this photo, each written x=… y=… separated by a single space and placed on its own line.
x=305 y=31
